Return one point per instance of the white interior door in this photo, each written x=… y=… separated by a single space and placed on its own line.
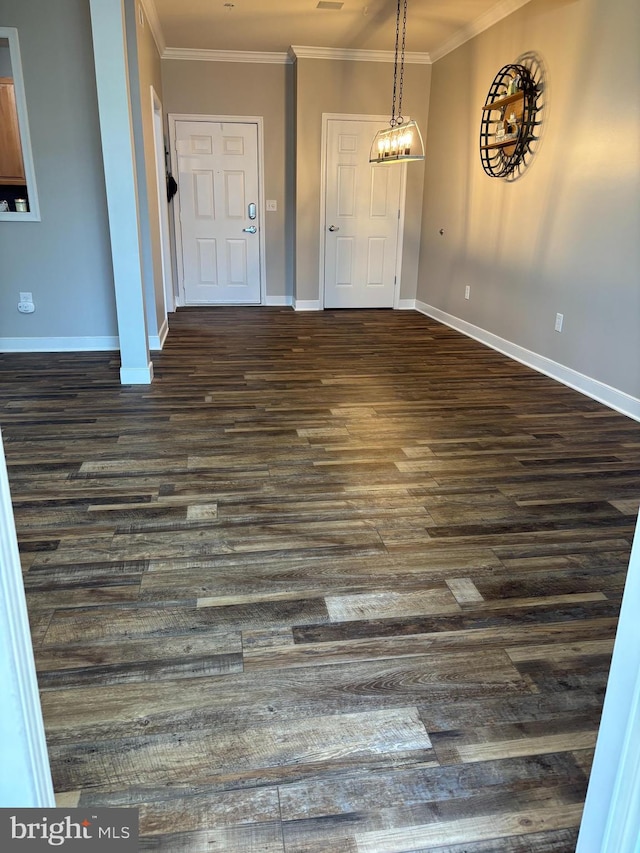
x=218 y=203
x=362 y=209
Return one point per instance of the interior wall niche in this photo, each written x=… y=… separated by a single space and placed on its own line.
x=18 y=195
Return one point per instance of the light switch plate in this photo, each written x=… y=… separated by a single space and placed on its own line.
x=272 y=204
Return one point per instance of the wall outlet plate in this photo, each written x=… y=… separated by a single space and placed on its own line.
x=26 y=297
x=26 y=307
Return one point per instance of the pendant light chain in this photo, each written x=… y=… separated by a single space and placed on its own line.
x=402 y=141
x=398 y=119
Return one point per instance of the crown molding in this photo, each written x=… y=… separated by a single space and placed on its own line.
x=306 y=52
x=501 y=10
x=226 y=55
x=151 y=14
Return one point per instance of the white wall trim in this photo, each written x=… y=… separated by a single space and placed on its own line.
x=156 y=342
x=406 y=305
x=402 y=201
x=192 y=54
x=611 y=397
x=136 y=375
x=275 y=301
x=71 y=344
x=492 y=16
x=307 y=305
x=27 y=780
x=611 y=819
x=297 y=51
x=151 y=13
x=108 y=343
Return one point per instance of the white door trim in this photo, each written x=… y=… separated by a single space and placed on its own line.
x=163 y=212
x=382 y=120
x=258 y=120
x=27 y=781
x=611 y=819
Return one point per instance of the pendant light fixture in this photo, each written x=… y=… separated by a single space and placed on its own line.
x=402 y=140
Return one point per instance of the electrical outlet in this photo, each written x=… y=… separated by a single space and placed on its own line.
x=467 y=291
x=559 y=322
x=26 y=307
x=26 y=297
x=272 y=204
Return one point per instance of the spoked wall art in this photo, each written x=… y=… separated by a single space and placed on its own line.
x=511 y=123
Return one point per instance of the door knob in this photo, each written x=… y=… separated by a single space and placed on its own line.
x=250 y=230
x=334 y=228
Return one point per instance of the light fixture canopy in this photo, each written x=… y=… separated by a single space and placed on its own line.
x=402 y=140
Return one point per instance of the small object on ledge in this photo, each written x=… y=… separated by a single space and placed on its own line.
x=21 y=205
x=512 y=125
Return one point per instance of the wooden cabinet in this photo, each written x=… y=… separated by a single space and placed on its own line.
x=11 y=163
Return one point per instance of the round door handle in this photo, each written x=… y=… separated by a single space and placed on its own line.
x=334 y=228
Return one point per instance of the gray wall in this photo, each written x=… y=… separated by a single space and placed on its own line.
x=359 y=88
x=565 y=236
x=244 y=89
x=64 y=260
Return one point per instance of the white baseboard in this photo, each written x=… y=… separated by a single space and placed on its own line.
x=605 y=394
x=275 y=301
x=156 y=342
x=307 y=305
x=75 y=344
x=136 y=375
x=406 y=305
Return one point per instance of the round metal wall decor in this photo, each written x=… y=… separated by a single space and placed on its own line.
x=509 y=121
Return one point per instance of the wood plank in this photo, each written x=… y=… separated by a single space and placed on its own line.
x=259 y=838
x=165 y=816
x=560 y=651
x=527 y=746
x=497 y=826
x=138 y=660
x=197 y=758
x=385 y=605
x=464 y=590
x=272 y=653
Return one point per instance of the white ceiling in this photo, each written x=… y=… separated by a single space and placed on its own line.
x=274 y=25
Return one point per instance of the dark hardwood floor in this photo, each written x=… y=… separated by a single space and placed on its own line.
x=339 y=582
